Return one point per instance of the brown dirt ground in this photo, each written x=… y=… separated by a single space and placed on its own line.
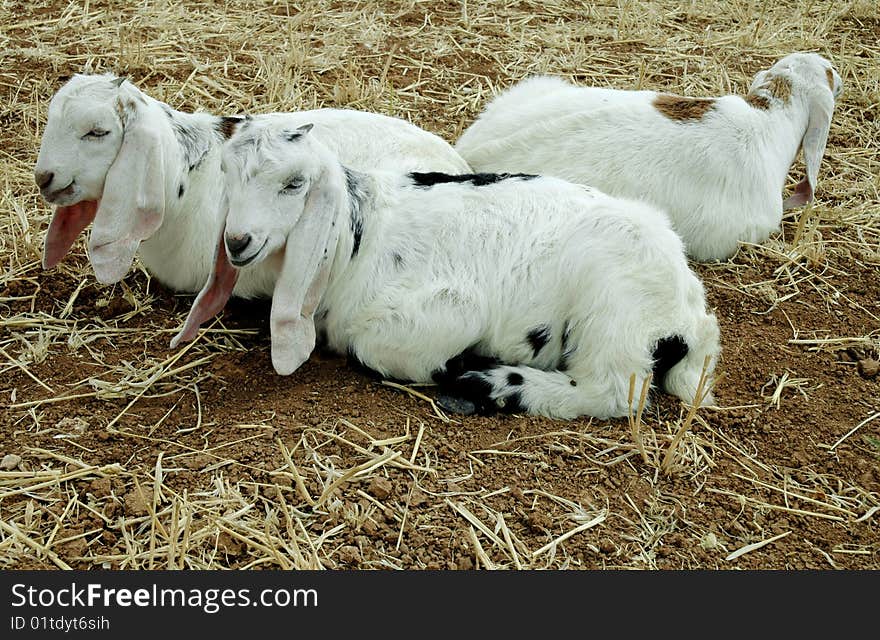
x=192 y=470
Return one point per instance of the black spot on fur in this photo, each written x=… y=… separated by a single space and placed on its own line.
x=464 y=383
x=356 y=196
x=293 y=136
x=180 y=191
x=474 y=388
x=513 y=404
x=565 y=360
x=226 y=126
x=397 y=258
x=357 y=230
x=538 y=338
x=566 y=349
x=321 y=328
x=194 y=141
x=667 y=354
x=467 y=360
x=431 y=178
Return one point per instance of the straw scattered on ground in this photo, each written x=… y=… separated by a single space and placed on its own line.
x=122 y=454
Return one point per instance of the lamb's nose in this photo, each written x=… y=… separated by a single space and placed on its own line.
x=43 y=178
x=237 y=243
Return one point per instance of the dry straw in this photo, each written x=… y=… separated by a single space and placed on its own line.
x=239 y=488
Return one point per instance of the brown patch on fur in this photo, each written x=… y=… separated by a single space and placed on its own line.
x=757 y=102
x=775 y=87
x=682 y=108
x=227 y=124
x=125 y=108
x=830 y=75
x=780 y=88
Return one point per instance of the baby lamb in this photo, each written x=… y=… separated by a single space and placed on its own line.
x=717 y=166
x=513 y=292
x=149 y=176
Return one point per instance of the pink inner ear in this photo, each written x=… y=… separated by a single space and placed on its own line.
x=212 y=298
x=802 y=194
x=66 y=225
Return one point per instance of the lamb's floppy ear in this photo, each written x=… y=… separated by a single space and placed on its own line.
x=213 y=296
x=303 y=279
x=800 y=195
x=133 y=203
x=821 y=107
x=66 y=225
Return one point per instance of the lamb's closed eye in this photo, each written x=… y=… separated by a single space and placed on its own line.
x=293 y=184
x=96 y=133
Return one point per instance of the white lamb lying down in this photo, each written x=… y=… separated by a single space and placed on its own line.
x=717 y=166
x=149 y=176
x=513 y=292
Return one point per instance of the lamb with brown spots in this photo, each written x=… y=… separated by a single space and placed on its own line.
x=718 y=166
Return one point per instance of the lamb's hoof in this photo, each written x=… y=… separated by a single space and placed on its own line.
x=456 y=405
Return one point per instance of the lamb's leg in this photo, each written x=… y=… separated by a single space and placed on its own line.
x=458 y=398
x=555 y=394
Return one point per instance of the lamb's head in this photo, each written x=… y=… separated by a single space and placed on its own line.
x=81 y=138
x=284 y=193
x=801 y=73
x=99 y=161
x=272 y=173
x=812 y=85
